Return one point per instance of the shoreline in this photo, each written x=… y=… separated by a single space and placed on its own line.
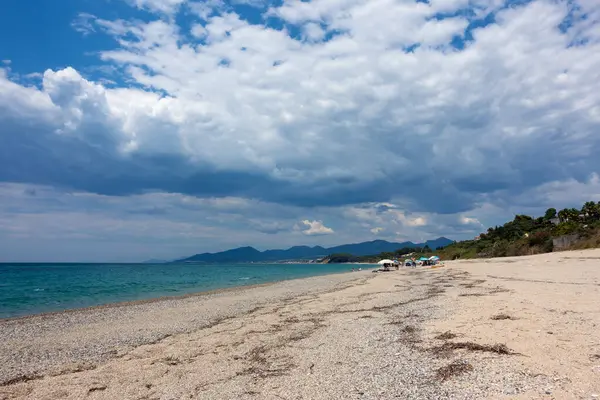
x=118 y=304
x=117 y=328
x=126 y=303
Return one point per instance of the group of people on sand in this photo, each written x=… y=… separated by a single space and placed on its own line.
x=359 y=269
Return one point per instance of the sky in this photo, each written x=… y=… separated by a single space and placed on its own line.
x=138 y=129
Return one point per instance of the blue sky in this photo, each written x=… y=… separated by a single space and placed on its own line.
x=135 y=129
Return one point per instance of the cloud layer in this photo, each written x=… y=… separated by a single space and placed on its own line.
x=398 y=112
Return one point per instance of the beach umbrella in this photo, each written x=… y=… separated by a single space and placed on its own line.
x=386 y=261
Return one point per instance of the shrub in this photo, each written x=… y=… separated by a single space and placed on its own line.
x=548 y=246
x=539 y=238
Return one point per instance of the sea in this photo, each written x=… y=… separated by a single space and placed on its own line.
x=27 y=289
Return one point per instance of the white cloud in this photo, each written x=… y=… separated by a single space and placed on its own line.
x=206 y=8
x=469 y=221
x=253 y=3
x=84 y=24
x=313 y=32
x=315 y=228
x=377 y=230
x=199 y=31
x=409 y=142
x=160 y=6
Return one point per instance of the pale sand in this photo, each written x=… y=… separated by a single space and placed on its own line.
x=555 y=302
x=349 y=336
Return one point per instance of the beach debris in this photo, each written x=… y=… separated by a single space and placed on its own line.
x=446 y=336
x=435 y=290
x=20 y=379
x=499 y=289
x=97 y=388
x=262 y=366
x=170 y=360
x=499 y=317
x=448 y=347
x=455 y=368
x=409 y=335
x=472 y=284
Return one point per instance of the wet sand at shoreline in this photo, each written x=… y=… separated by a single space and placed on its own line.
x=503 y=328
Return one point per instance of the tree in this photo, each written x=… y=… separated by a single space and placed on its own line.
x=590 y=211
x=573 y=214
x=563 y=215
x=550 y=213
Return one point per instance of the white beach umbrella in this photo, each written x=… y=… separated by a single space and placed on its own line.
x=385 y=262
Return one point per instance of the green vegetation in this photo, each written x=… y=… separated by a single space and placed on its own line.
x=526 y=235
x=523 y=235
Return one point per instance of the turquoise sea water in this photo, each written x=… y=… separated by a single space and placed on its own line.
x=35 y=288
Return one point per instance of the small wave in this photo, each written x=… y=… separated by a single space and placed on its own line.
x=245 y=278
x=38 y=290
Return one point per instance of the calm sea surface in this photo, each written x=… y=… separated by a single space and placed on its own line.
x=35 y=288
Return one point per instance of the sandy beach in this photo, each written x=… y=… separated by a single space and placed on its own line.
x=525 y=328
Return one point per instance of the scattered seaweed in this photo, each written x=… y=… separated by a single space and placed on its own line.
x=435 y=290
x=262 y=367
x=449 y=347
x=453 y=369
x=500 y=317
x=471 y=285
x=21 y=379
x=396 y=321
x=409 y=329
x=409 y=335
x=170 y=360
x=412 y=314
x=97 y=388
x=473 y=294
x=446 y=336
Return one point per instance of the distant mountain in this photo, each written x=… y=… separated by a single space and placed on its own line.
x=154 y=261
x=250 y=254
x=233 y=255
x=439 y=242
